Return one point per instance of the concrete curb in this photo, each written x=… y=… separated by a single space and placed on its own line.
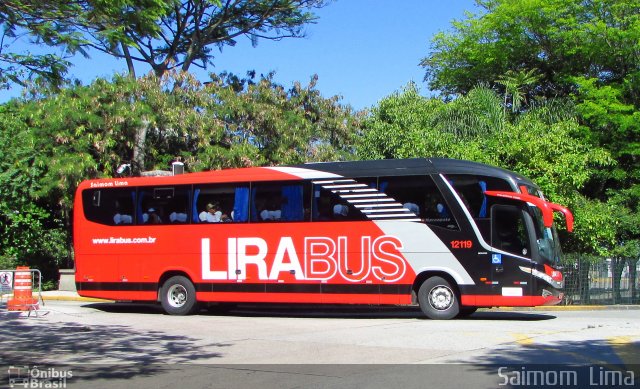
x=70 y=296
x=570 y=308
x=75 y=298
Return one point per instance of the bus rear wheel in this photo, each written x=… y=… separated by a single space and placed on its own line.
x=437 y=299
x=178 y=296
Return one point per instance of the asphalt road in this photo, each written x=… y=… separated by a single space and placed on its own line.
x=119 y=345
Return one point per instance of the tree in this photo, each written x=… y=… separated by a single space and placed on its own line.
x=187 y=32
x=585 y=51
x=48 y=145
x=560 y=38
x=43 y=20
x=542 y=144
x=31 y=230
x=183 y=34
x=66 y=28
x=515 y=84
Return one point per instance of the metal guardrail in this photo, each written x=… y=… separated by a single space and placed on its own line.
x=7 y=288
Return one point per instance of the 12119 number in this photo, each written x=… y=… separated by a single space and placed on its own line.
x=461 y=244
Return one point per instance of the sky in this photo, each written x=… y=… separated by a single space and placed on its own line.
x=361 y=50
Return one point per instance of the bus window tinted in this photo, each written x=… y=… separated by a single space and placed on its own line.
x=109 y=206
x=421 y=196
x=286 y=201
x=163 y=205
x=220 y=203
x=471 y=190
x=328 y=205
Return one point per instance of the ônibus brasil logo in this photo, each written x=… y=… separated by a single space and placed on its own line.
x=38 y=377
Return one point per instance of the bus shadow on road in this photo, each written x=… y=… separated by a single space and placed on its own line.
x=320 y=311
x=496 y=315
x=140 y=308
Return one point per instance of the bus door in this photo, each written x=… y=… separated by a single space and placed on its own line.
x=511 y=240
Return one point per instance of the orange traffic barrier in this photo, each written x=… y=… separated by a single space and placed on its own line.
x=22 y=299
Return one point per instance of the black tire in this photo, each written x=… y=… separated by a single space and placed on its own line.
x=178 y=296
x=467 y=311
x=438 y=299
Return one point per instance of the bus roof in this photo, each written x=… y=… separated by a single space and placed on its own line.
x=370 y=168
x=414 y=166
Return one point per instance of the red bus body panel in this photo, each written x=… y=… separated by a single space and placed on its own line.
x=353 y=262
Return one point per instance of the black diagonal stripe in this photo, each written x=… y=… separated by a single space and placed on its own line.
x=242 y=287
x=118 y=286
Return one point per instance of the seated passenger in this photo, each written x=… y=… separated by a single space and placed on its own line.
x=270 y=209
x=211 y=214
x=151 y=217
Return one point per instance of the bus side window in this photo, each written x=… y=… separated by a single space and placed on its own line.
x=163 y=205
x=420 y=195
x=220 y=203
x=286 y=201
x=109 y=206
x=329 y=206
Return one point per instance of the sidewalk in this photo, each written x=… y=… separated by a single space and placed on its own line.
x=57 y=295
x=60 y=295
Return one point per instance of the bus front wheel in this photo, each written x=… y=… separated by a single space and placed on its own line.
x=178 y=296
x=438 y=299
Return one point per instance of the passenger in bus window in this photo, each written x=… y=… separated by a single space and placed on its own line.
x=211 y=214
x=435 y=209
x=152 y=216
x=270 y=215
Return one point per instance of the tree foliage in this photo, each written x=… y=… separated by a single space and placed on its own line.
x=44 y=22
x=560 y=38
x=50 y=144
x=540 y=144
x=31 y=231
x=65 y=28
x=585 y=51
x=191 y=28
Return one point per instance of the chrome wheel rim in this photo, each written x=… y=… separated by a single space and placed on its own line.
x=441 y=298
x=177 y=296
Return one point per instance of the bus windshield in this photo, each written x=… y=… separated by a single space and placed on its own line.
x=547 y=238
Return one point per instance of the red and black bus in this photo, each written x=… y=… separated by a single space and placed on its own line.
x=446 y=234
